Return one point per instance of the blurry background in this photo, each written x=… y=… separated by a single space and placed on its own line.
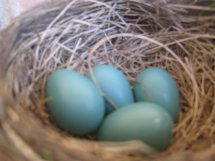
x=9 y=9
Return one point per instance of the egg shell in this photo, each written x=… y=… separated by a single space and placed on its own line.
x=76 y=105
x=114 y=85
x=157 y=85
x=143 y=121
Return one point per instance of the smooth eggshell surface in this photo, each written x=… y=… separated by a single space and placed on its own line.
x=114 y=85
x=157 y=86
x=76 y=105
x=143 y=121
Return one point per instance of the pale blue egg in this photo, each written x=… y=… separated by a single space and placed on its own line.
x=143 y=121
x=76 y=105
x=157 y=86
x=114 y=85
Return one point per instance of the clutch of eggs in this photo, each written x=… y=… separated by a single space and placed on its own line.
x=103 y=102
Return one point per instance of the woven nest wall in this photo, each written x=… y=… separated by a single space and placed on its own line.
x=176 y=35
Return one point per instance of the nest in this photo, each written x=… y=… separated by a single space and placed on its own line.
x=131 y=35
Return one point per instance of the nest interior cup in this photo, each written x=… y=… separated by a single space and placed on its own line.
x=128 y=34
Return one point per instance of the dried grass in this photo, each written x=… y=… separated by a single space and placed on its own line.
x=128 y=34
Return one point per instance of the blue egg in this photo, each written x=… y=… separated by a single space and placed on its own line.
x=143 y=121
x=76 y=105
x=157 y=86
x=114 y=85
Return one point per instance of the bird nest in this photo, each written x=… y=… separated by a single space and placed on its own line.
x=176 y=35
